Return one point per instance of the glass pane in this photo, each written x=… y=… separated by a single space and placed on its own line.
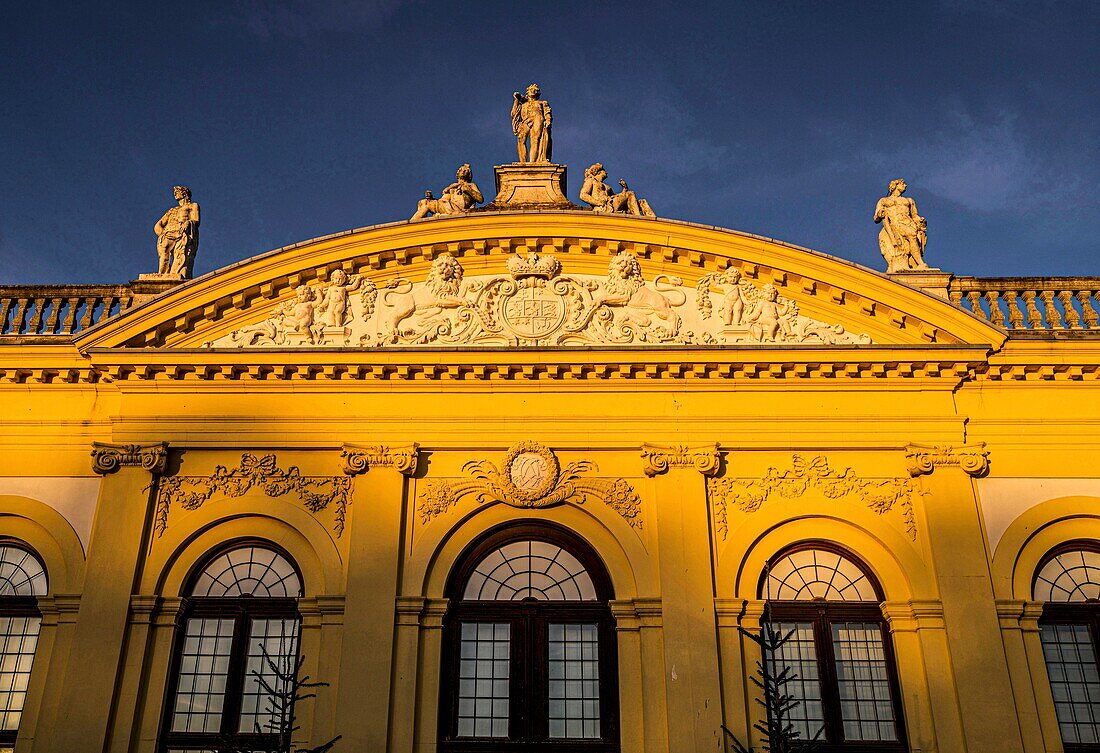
x=204 y=664
x=574 y=680
x=865 y=703
x=18 y=639
x=1069 y=577
x=21 y=574
x=530 y=569
x=1074 y=680
x=483 y=674
x=266 y=703
x=800 y=654
x=817 y=574
x=250 y=570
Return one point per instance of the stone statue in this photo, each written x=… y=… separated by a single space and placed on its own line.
x=904 y=232
x=531 y=120
x=458 y=198
x=600 y=196
x=178 y=236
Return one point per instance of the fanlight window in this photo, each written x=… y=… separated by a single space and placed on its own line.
x=239 y=643
x=1069 y=584
x=22 y=579
x=838 y=649
x=1071 y=576
x=807 y=574
x=530 y=570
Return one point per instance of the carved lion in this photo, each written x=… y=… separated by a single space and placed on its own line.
x=625 y=290
x=439 y=292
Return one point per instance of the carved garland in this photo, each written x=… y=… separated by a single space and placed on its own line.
x=881 y=495
x=531 y=477
x=191 y=492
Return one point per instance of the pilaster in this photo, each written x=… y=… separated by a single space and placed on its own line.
x=119 y=535
x=376 y=529
x=428 y=673
x=50 y=658
x=957 y=542
x=693 y=696
x=1020 y=630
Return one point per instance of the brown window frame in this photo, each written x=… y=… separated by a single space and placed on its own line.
x=1072 y=613
x=822 y=614
x=243 y=610
x=528 y=661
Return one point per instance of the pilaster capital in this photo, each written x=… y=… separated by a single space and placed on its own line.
x=108 y=458
x=911 y=616
x=434 y=610
x=1018 y=614
x=361 y=458
x=752 y=614
x=59 y=609
x=971 y=458
x=660 y=458
x=168 y=611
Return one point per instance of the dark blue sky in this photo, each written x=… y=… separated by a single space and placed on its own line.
x=295 y=119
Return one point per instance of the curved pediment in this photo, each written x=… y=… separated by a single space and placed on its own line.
x=534 y=279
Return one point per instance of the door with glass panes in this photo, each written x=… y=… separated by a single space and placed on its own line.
x=529 y=652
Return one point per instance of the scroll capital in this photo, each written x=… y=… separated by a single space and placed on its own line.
x=108 y=458
x=361 y=458
x=658 y=459
x=971 y=458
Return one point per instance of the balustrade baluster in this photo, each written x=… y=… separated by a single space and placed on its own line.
x=1091 y=318
x=1054 y=319
x=70 y=317
x=89 y=311
x=36 y=320
x=1015 y=316
x=1034 y=317
x=975 y=300
x=995 y=314
x=1072 y=318
x=5 y=309
x=55 y=314
x=956 y=297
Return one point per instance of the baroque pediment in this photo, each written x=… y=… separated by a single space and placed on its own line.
x=541 y=280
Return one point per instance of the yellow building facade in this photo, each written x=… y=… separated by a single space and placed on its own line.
x=518 y=480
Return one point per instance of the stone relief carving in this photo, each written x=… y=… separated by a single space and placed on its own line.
x=659 y=459
x=457 y=198
x=535 y=304
x=361 y=459
x=904 y=232
x=603 y=200
x=531 y=123
x=191 y=492
x=108 y=458
x=530 y=476
x=971 y=458
x=748 y=495
x=178 y=236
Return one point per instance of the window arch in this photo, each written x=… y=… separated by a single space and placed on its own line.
x=22 y=580
x=829 y=604
x=1068 y=582
x=240 y=618
x=530 y=649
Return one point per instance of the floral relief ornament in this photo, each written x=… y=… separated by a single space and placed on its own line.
x=530 y=476
x=191 y=492
x=748 y=495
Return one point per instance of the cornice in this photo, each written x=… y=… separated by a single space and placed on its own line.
x=108 y=458
x=971 y=458
x=362 y=458
x=657 y=459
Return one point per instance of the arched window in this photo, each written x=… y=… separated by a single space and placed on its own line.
x=530 y=652
x=1068 y=581
x=238 y=645
x=839 y=649
x=22 y=580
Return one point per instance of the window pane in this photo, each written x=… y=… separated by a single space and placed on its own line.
x=800 y=654
x=483 y=674
x=1072 y=576
x=530 y=569
x=574 y=680
x=865 y=704
x=1074 y=681
x=249 y=570
x=266 y=704
x=204 y=664
x=817 y=574
x=21 y=574
x=18 y=639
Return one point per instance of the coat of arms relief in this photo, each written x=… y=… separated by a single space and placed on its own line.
x=536 y=304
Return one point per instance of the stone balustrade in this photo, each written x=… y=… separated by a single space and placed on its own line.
x=45 y=313
x=1031 y=304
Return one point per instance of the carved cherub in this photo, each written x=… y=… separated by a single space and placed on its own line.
x=770 y=318
x=334 y=305
x=733 y=303
x=301 y=313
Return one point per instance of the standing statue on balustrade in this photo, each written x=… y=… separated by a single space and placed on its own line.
x=178 y=236
x=531 y=122
x=904 y=232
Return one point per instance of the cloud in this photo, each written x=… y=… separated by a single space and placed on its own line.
x=303 y=18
